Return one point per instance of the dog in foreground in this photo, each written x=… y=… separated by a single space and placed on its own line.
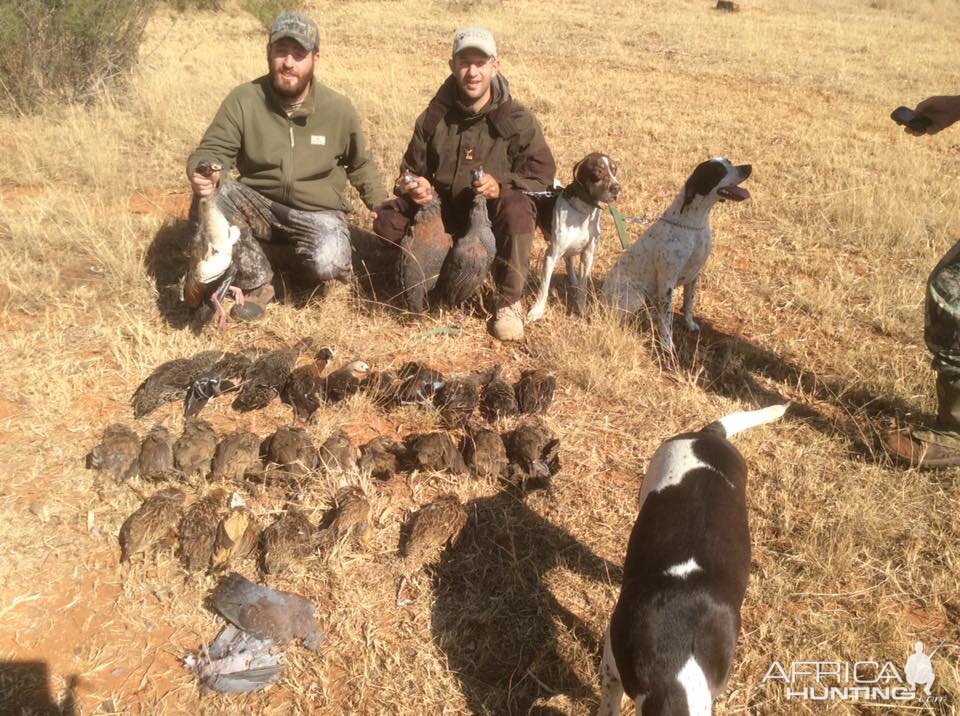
x=672 y=636
x=674 y=249
x=572 y=226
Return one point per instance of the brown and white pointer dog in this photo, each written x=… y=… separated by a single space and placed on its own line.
x=672 y=635
x=573 y=226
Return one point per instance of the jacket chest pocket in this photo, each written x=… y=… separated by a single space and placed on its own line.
x=314 y=154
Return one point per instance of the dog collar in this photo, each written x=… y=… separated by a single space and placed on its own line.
x=577 y=190
x=682 y=226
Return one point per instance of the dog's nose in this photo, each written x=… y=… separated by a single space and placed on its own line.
x=615 y=190
x=745 y=169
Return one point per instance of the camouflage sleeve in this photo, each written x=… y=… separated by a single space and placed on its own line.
x=361 y=170
x=942 y=314
x=221 y=142
x=533 y=167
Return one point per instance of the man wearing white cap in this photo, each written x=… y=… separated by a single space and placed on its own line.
x=472 y=122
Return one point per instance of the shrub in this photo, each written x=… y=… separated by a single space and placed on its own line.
x=66 y=50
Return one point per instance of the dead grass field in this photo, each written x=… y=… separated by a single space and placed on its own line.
x=813 y=294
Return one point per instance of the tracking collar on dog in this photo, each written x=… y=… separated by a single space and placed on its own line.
x=665 y=220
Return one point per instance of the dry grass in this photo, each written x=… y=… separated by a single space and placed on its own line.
x=814 y=293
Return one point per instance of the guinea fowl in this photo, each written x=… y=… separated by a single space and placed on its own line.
x=193 y=452
x=197 y=531
x=117 y=453
x=264 y=380
x=155 y=518
x=304 y=388
x=535 y=390
x=212 y=268
x=468 y=262
x=423 y=250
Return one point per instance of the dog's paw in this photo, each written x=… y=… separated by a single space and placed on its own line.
x=692 y=325
x=536 y=312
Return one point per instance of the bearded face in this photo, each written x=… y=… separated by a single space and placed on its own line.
x=291 y=67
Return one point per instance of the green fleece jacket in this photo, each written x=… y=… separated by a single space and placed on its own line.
x=450 y=140
x=302 y=161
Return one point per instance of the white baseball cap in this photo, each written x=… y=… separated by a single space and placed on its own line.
x=478 y=38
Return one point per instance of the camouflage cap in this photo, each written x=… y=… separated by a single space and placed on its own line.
x=297 y=26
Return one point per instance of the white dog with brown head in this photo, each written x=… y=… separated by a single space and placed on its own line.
x=573 y=225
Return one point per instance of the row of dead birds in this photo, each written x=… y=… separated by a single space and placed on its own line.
x=259 y=376
x=217 y=528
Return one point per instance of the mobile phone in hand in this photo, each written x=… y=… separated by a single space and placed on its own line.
x=910 y=119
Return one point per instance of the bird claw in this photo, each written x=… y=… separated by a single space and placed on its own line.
x=220 y=313
x=238 y=296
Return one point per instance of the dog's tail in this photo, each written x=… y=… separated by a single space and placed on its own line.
x=738 y=422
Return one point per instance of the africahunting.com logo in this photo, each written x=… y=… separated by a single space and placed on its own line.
x=858 y=680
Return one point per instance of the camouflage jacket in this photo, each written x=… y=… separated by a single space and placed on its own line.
x=450 y=140
x=302 y=161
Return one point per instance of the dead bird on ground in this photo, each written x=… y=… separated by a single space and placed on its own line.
x=533 y=452
x=197 y=530
x=117 y=453
x=153 y=520
x=304 y=389
x=193 y=452
x=266 y=613
x=535 y=390
x=290 y=538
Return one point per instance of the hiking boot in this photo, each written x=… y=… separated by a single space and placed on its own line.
x=508 y=323
x=910 y=450
x=254 y=304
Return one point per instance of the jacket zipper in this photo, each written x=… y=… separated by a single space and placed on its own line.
x=287 y=183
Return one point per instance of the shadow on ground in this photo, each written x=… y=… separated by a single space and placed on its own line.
x=166 y=262
x=25 y=689
x=738 y=369
x=494 y=616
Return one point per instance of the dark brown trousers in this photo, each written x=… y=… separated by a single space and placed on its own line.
x=513 y=216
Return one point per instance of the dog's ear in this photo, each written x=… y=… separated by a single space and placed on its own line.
x=704 y=179
x=576 y=170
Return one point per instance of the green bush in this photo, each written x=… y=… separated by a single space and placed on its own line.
x=66 y=50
